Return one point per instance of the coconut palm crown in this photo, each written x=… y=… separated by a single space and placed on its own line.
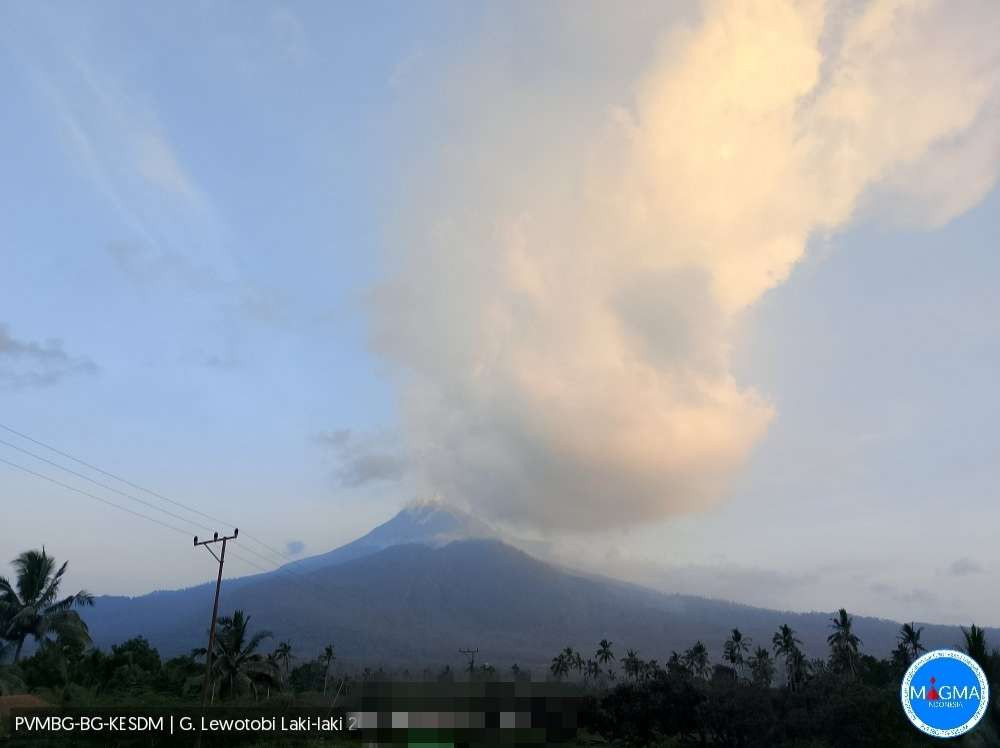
x=237 y=666
x=31 y=606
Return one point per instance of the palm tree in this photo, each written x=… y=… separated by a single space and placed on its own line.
x=327 y=658
x=650 y=669
x=559 y=666
x=815 y=667
x=761 y=667
x=975 y=642
x=604 y=655
x=900 y=657
x=578 y=662
x=592 y=670
x=786 y=645
x=632 y=664
x=32 y=606
x=909 y=640
x=677 y=666
x=571 y=656
x=236 y=664
x=976 y=647
x=696 y=660
x=275 y=665
x=283 y=654
x=844 y=644
x=736 y=650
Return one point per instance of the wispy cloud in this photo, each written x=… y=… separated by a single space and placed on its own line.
x=294 y=547
x=363 y=458
x=110 y=128
x=914 y=598
x=150 y=266
x=965 y=567
x=156 y=161
x=30 y=363
x=147 y=265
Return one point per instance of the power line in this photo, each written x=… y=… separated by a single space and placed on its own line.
x=117 y=506
x=104 y=485
x=291 y=574
x=93 y=496
x=138 y=487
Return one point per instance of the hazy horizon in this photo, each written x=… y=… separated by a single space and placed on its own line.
x=702 y=297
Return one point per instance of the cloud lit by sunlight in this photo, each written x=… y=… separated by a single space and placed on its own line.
x=563 y=319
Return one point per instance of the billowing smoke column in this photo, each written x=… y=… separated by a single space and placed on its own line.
x=562 y=324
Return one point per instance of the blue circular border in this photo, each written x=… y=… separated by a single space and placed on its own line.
x=984 y=693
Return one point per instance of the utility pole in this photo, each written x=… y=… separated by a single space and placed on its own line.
x=471 y=654
x=221 y=558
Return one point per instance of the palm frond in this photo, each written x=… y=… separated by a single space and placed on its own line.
x=10 y=595
x=51 y=590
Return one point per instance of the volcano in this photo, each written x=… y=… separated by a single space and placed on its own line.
x=434 y=579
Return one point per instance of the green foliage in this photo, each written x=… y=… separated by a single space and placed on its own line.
x=909 y=643
x=282 y=657
x=604 y=653
x=844 y=644
x=696 y=661
x=850 y=699
x=309 y=676
x=46 y=668
x=975 y=646
x=237 y=667
x=786 y=646
x=179 y=676
x=31 y=606
x=559 y=666
x=761 y=668
x=638 y=712
x=11 y=681
x=632 y=664
x=736 y=650
x=824 y=711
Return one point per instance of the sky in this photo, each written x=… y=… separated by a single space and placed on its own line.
x=697 y=294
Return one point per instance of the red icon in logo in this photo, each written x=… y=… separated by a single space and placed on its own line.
x=933 y=695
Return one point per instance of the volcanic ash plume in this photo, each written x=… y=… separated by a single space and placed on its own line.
x=563 y=320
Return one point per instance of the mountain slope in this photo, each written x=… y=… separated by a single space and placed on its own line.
x=429 y=523
x=416 y=604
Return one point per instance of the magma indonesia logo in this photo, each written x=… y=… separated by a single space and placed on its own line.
x=945 y=693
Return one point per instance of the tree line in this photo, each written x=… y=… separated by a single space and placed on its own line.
x=769 y=694
x=744 y=663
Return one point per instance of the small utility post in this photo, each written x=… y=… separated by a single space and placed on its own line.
x=471 y=654
x=215 y=608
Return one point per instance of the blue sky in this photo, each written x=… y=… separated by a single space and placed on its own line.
x=282 y=263
x=196 y=215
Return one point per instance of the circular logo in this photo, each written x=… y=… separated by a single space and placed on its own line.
x=945 y=693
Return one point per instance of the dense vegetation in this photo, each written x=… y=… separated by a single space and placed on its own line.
x=761 y=694
x=847 y=699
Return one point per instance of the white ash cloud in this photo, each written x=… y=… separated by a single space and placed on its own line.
x=562 y=320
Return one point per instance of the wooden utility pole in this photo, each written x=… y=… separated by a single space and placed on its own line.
x=471 y=654
x=221 y=558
